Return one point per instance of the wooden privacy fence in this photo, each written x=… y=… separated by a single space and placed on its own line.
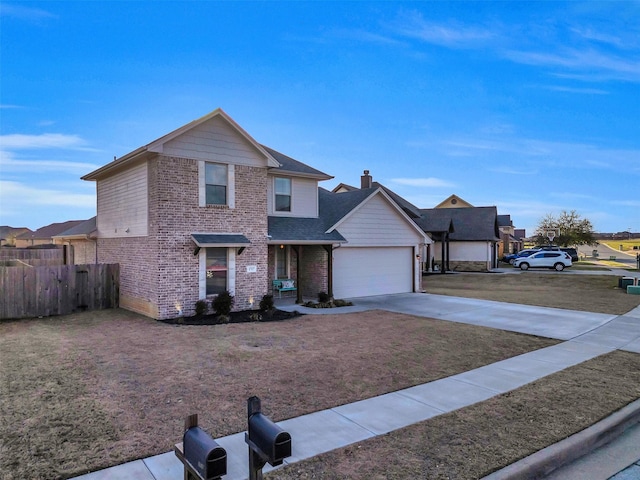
x=57 y=290
x=32 y=256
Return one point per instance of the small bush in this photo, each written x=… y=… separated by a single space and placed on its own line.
x=266 y=303
x=342 y=303
x=201 y=307
x=323 y=297
x=223 y=303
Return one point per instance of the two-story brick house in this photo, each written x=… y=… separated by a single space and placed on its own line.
x=206 y=208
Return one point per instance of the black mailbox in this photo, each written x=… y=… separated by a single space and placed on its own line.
x=204 y=455
x=269 y=438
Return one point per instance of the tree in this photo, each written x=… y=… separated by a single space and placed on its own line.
x=570 y=228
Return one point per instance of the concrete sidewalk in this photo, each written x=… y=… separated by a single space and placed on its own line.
x=587 y=336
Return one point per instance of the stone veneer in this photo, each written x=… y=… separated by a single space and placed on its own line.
x=468 y=266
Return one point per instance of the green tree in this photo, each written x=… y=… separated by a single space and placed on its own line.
x=570 y=229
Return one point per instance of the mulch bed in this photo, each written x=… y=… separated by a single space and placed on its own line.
x=244 y=316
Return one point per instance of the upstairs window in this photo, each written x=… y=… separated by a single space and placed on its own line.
x=283 y=194
x=216 y=184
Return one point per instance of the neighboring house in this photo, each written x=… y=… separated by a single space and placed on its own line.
x=471 y=241
x=80 y=241
x=8 y=235
x=454 y=201
x=44 y=235
x=412 y=212
x=509 y=241
x=206 y=208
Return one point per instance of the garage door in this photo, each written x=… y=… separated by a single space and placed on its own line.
x=363 y=272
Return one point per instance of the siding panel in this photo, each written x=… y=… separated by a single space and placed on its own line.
x=378 y=223
x=304 y=198
x=215 y=140
x=123 y=204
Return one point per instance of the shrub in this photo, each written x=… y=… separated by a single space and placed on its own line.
x=266 y=303
x=223 y=303
x=201 y=307
x=323 y=297
x=342 y=303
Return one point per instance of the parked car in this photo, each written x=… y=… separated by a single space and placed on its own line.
x=522 y=253
x=573 y=253
x=544 y=259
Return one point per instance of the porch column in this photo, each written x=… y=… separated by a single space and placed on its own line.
x=443 y=241
x=298 y=250
x=448 y=252
x=329 y=250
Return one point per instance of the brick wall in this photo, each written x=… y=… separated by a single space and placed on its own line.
x=138 y=285
x=313 y=271
x=174 y=214
x=84 y=251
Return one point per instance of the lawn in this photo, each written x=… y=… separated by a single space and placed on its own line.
x=584 y=292
x=91 y=390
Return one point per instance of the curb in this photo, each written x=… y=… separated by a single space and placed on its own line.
x=548 y=459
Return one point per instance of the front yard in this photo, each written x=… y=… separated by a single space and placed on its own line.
x=91 y=390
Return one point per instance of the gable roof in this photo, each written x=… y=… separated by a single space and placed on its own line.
x=505 y=221
x=470 y=224
x=8 y=232
x=293 y=167
x=50 y=231
x=409 y=208
x=156 y=146
x=454 y=201
x=333 y=209
x=81 y=230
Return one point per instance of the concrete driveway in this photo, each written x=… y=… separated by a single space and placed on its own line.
x=542 y=321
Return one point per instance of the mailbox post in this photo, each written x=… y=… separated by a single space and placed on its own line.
x=268 y=443
x=202 y=457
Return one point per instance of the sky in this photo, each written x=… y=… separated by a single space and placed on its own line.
x=533 y=107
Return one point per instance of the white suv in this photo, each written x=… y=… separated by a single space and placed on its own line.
x=544 y=259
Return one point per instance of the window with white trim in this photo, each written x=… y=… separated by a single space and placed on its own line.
x=282 y=261
x=217 y=267
x=282 y=189
x=215 y=183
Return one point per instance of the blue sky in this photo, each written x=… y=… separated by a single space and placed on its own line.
x=533 y=107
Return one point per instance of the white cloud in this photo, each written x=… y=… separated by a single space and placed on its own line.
x=423 y=182
x=16 y=192
x=11 y=164
x=25 y=13
x=18 y=141
x=589 y=63
x=586 y=91
x=453 y=35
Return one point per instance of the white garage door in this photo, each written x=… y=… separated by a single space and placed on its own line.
x=363 y=272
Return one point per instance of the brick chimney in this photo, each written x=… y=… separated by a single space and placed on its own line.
x=366 y=180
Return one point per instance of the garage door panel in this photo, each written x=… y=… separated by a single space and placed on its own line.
x=360 y=272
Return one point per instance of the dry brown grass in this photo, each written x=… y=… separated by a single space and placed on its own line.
x=474 y=441
x=86 y=391
x=587 y=293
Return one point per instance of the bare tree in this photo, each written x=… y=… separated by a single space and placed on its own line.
x=569 y=227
